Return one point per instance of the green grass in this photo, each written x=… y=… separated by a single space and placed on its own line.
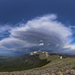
x=65 y=63
x=22 y=64
x=36 y=63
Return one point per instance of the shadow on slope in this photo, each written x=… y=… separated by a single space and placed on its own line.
x=22 y=63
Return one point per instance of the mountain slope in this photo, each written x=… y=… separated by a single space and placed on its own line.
x=34 y=60
x=23 y=62
x=65 y=66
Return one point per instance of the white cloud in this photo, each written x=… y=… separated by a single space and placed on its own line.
x=72 y=47
x=57 y=45
x=45 y=28
x=41 y=44
x=5 y=28
x=13 y=43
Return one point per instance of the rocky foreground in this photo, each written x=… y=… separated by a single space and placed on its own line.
x=47 y=71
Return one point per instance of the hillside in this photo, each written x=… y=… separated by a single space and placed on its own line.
x=24 y=62
x=38 y=63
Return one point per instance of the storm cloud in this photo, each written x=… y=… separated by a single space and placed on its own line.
x=41 y=33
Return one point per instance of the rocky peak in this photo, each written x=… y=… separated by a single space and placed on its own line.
x=36 y=52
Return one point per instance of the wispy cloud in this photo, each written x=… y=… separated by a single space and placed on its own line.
x=54 y=35
x=4 y=30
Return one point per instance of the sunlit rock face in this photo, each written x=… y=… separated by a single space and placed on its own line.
x=36 y=52
x=40 y=53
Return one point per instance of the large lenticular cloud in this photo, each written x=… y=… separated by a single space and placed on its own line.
x=44 y=33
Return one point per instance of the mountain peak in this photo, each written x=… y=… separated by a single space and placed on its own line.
x=36 y=52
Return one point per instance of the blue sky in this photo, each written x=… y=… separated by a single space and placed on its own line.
x=29 y=25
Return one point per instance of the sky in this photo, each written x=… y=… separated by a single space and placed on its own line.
x=31 y=25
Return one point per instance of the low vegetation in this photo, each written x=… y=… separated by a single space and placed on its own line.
x=22 y=63
x=37 y=63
